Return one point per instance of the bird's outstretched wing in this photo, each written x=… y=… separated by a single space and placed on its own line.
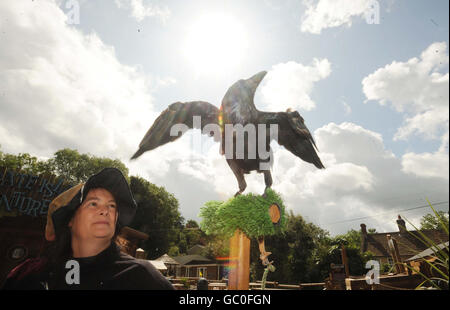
x=296 y=138
x=177 y=113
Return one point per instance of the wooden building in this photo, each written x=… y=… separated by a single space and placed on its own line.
x=170 y=263
x=408 y=242
x=198 y=266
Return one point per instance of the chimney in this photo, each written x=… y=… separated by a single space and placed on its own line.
x=401 y=225
x=363 y=238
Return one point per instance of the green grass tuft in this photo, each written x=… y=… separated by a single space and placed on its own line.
x=249 y=213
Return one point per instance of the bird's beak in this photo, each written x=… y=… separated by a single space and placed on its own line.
x=254 y=81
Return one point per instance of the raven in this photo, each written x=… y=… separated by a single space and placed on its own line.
x=243 y=154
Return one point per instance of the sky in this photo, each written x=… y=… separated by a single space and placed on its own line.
x=370 y=78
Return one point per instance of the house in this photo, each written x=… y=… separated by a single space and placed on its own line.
x=408 y=242
x=198 y=266
x=170 y=263
x=159 y=265
x=196 y=250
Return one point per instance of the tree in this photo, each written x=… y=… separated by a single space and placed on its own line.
x=67 y=163
x=25 y=162
x=191 y=224
x=293 y=252
x=431 y=221
x=157 y=215
x=352 y=243
x=76 y=167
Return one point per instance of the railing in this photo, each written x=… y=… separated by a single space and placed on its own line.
x=179 y=284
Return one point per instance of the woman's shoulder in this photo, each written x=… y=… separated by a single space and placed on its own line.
x=144 y=274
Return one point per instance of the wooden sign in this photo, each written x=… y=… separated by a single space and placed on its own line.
x=22 y=193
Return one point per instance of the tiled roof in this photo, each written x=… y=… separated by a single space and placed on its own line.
x=158 y=264
x=166 y=259
x=408 y=242
x=192 y=260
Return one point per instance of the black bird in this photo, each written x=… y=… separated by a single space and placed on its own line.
x=237 y=109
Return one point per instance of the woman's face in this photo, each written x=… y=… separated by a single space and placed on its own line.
x=96 y=217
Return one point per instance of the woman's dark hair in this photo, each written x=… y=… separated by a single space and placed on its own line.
x=59 y=251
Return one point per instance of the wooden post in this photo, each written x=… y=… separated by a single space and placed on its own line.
x=345 y=261
x=239 y=276
x=393 y=247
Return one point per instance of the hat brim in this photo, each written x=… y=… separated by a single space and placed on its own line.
x=113 y=180
x=110 y=179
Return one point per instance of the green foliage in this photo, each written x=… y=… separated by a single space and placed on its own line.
x=331 y=253
x=185 y=283
x=248 y=213
x=216 y=247
x=352 y=239
x=173 y=251
x=67 y=163
x=433 y=221
x=25 y=162
x=191 y=224
x=293 y=252
x=157 y=215
x=76 y=167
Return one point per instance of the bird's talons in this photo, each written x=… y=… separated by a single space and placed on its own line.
x=237 y=193
x=264 y=257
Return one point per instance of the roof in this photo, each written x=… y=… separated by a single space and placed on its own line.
x=429 y=251
x=196 y=250
x=408 y=243
x=158 y=264
x=193 y=260
x=167 y=260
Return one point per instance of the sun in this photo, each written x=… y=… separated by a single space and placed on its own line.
x=215 y=44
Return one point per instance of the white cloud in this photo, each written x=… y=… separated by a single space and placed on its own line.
x=289 y=85
x=61 y=88
x=362 y=178
x=140 y=11
x=416 y=88
x=324 y=14
x=426 y=164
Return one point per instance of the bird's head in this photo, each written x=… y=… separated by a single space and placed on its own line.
x=244 y=90
x=297 y=123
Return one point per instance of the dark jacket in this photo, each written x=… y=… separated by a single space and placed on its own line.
x=109 y=270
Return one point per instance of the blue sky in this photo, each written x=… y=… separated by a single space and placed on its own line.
x=405 y=29
x=374 y=95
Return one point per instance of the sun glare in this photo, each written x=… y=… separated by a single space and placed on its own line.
x=214 y=44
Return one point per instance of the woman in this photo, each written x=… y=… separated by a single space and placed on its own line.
x=82 y=225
